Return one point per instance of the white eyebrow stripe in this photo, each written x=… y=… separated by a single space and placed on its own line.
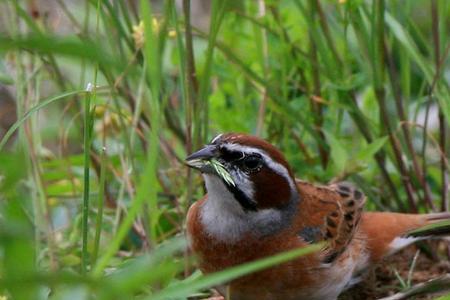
x=277 y=167
x=216 y=138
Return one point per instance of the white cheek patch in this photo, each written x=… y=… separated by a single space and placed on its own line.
x=221 y=215
x=224 y=218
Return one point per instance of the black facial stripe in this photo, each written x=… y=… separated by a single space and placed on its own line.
x=229 y=155
x=248 y=162
x=246 y=203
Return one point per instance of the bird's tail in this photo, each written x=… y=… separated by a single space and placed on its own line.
x=389 y=232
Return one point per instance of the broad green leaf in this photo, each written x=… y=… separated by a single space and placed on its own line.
x=338 y=152
x=370 y=150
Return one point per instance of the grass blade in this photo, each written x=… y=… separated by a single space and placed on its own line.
x=187 y=287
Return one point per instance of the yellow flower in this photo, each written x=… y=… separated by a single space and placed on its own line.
x=138 y=32
x=172 y=33
x=138 y=36
x=342 y=1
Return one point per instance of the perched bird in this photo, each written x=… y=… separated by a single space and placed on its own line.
x=255 y=208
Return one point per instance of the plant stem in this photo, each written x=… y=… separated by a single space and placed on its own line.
x=101 y=200
x=264 y=66
x=419 y=173
x=317 y=108
x=191 y=79
x=378 y=77
x=442 y=123
x=85 y=210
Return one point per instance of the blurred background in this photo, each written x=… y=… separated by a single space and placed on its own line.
x=101 y=101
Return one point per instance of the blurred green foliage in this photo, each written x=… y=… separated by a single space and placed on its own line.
x=349 y=90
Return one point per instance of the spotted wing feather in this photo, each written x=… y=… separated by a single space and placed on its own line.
x=341 y=223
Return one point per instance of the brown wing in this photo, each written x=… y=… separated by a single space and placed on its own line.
x=330 y=213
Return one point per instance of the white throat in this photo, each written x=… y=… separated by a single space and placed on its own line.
x=224 y=218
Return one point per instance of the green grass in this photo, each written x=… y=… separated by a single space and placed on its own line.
x=93 y=188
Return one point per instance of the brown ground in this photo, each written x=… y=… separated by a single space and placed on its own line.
x=382 y=281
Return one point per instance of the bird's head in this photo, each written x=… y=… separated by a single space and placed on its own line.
x=252 y=170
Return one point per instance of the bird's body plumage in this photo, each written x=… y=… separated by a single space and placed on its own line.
x=224 y=233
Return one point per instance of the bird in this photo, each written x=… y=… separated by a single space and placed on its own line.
x=255 y=207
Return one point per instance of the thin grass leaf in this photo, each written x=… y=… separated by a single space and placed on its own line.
x=185 y=288
x=438 y=228
x=221 y=171
x=411 y=269
x=100 y=204
x=405 y=39
x=147 y=269
x=67 y=46
x=86 y=181
x=218 y=10
x=153 y=64
x=34 y=109
x=440 y=284
x=148 y=184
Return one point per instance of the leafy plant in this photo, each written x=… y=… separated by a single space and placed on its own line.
x=93 y=187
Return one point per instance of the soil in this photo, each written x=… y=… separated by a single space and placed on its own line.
x=382 y=281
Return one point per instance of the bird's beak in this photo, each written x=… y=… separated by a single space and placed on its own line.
x=200 y=159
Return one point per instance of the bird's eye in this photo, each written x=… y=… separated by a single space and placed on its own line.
x=252 y=162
